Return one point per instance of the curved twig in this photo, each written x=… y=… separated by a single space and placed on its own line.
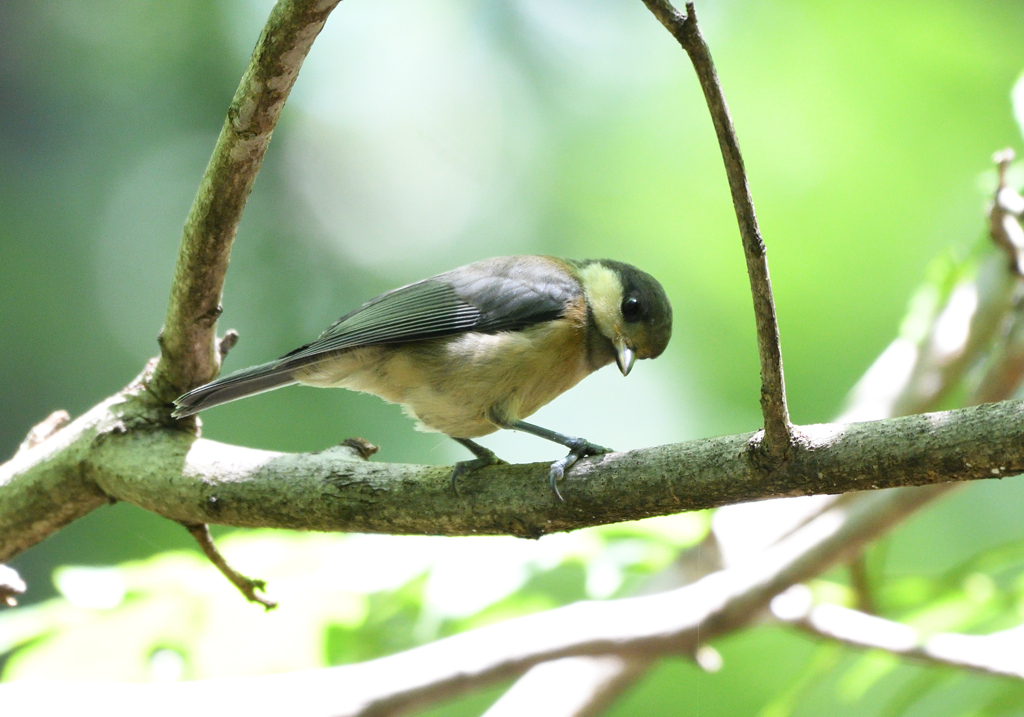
x=779 y=434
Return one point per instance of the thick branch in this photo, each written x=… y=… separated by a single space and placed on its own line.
x=189 y=354
x=778 y=436
x=197 y=481
x=207 y=482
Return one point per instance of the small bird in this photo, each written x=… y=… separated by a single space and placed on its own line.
x=478 y=348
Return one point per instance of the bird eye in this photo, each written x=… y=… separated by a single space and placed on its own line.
x=631 y=308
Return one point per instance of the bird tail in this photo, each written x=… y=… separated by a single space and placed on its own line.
x=247 y=382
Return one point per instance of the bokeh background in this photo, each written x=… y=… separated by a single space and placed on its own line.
x=421 y=136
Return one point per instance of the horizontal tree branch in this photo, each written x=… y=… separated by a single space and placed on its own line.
x=119 y=452
x=204 y=481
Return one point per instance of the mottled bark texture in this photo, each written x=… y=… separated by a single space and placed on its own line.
x=115 y=453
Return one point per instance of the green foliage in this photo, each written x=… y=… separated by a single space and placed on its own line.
x=423 y=136
x=342 y=599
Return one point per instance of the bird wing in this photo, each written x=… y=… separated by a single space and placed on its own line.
x=503 y=294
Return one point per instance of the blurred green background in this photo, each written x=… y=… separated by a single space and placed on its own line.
x=421 y=136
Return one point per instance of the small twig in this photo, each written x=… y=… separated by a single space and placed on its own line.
x=226 y=343
x=363 y=447
x=44 y=429
x=779 y=433
x=11 y=586
x=247 y=586
x=995 y=654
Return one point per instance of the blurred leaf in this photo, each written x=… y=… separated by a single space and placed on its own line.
x=912 y=691
x=1006 y=700
x=1017 y=95
x=866 y=672
x=824 y=661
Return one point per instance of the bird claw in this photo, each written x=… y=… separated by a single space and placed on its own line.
x=578 y=448
x=463 y=468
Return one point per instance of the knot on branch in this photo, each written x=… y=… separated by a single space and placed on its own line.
x=363 y=447
x=209 y=318
x=768 y=456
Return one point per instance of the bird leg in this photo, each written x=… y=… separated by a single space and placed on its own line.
x=484 y=457
x=578 y=448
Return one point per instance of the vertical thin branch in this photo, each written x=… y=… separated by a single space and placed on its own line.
x=188 y=344
x=779 y=432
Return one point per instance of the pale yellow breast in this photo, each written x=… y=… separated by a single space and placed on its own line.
x=455 y=385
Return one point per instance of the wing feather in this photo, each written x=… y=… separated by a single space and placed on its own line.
x=503 y=294
x=422 y=310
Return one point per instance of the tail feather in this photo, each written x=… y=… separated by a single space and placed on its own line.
x=247 y=382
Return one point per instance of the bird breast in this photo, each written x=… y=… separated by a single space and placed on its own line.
x=457 y=384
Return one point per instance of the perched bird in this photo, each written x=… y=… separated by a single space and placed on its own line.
x=478 y=348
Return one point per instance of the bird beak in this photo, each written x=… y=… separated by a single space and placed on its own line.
x=624 y=357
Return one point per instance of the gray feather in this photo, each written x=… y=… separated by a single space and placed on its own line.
x=247 y=382
x=490 y=296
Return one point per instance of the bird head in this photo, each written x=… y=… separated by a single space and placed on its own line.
x=630 y=310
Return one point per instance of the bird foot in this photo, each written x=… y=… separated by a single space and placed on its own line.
x=578 y=448
x=483 y=459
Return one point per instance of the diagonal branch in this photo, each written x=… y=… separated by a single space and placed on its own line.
x=668 y=623
x=779 y=436
x=570 y=687
x=189 y=354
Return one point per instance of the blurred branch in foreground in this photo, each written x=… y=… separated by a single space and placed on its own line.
x=669 y=623
x=994 y=654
